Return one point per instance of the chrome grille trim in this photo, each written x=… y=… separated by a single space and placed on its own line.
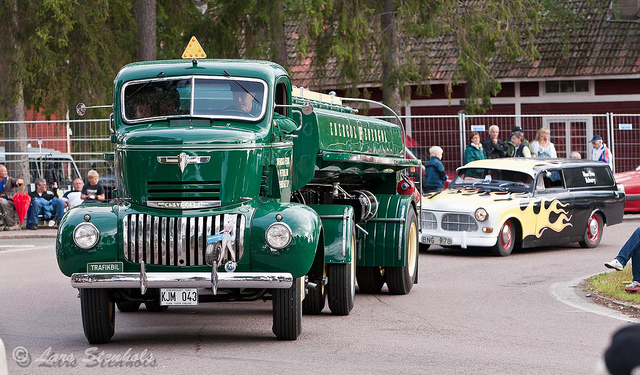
x=174 y=241
x=459 y=223
x=428 y=220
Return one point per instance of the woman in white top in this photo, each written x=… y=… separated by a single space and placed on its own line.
x=542 y=147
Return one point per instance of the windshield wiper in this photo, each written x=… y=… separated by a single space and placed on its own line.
x=240 y=84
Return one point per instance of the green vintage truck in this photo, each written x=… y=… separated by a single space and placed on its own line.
x=232 y=185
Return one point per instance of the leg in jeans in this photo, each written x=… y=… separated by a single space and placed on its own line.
x=58 y=206
x=34 y=211
x=629 y=250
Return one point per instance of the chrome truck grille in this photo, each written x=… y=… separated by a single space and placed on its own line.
x=175 y=241
x=459 y=223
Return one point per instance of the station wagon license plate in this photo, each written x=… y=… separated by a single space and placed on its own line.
x=178 y=297
x=436 y=240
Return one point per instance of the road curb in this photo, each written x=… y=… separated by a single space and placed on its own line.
x=24 y=234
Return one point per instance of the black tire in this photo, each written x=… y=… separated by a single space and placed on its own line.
x=287 y=311
x=155 y=307
x=314 y=301
x=342 y=283
x=126 y=306
x=98 y=315
x=593 y=231
x=370 y=279
x=506 y=239
x=401 y=279
x=424 y=247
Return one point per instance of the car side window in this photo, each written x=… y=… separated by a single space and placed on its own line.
x=550 y=180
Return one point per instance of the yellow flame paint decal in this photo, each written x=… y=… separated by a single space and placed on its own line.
x=535 y=215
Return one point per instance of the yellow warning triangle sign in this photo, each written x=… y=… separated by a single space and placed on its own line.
x=193 y=50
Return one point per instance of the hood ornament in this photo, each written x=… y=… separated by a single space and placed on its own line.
x=183 y=160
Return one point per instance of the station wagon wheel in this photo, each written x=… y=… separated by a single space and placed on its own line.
x=98 y=315
x=506 y=239
x=401 y=279
x=593 y=231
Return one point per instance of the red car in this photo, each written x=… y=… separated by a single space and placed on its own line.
x=631 y=182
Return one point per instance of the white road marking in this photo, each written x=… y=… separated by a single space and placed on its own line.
x=5 y=249
x=565 y=293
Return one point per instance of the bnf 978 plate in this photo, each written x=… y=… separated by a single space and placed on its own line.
x=178 y=297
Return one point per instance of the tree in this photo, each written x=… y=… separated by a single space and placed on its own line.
x=346 y=33
x=146 y=18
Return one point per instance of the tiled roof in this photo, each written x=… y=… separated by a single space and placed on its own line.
x=600 y=46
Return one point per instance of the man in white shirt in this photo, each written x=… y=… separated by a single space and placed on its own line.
x=73 y=198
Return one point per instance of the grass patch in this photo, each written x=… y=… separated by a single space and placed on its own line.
x=611 y=284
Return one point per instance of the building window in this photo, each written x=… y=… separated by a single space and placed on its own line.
x=555 y=87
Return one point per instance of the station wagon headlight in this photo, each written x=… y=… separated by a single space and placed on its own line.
x=481 y=214
x=278 y=235
x=86 y=235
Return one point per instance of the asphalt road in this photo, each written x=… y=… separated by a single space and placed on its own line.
x=470 y=314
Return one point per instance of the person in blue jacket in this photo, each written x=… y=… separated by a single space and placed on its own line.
x=434 y=170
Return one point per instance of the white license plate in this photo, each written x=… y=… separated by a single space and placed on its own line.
x=435 y=240
x=178 y=297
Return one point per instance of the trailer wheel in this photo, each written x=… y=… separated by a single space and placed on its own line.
x=287 y=311
x=370 y=279
x=155 y=307
x=342 y=283
x=126 y=306
x=98 y=315
x=401 y=279
x=314 y=301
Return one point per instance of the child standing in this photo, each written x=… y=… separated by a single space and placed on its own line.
x=93 y=191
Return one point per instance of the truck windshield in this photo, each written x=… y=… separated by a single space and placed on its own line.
x=228 y=98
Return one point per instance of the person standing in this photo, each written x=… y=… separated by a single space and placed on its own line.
x=521 y=150
x=474 y=150
x=44 y=203
x=434 y=170
x=494 y=147
x=8 y=215
x=542 y=146
x=511 y=149
x=600 y=151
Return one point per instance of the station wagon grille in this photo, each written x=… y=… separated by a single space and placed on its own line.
x=175 y=241
x=459 y=223
x=428 y=220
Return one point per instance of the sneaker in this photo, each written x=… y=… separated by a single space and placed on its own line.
x=15 y=227
x=614 y=264
x=633 y=285
x=33 y=226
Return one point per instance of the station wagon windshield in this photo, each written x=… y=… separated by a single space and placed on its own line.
x=227 y=98
x=498 y=179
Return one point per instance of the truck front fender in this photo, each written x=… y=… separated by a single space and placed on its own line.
x=72 y=258
x=298 y=256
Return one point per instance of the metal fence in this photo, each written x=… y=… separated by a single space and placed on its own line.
x=87 y=140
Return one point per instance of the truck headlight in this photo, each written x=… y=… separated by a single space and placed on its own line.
x=481 y=214
x=86 y=235
x=278 y=235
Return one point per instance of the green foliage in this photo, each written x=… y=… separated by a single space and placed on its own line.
x=611 y=284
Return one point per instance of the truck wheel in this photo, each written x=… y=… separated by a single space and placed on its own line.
x=506 y=240
x=314 y=301
x=126 y=306
x=401 y=279
x=593 y=232
x=342 y=284
x=155 y=307
x=98 y=315
x=370 y=279
x=287 y=311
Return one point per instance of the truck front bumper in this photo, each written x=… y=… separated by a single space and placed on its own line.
x=211 y=280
